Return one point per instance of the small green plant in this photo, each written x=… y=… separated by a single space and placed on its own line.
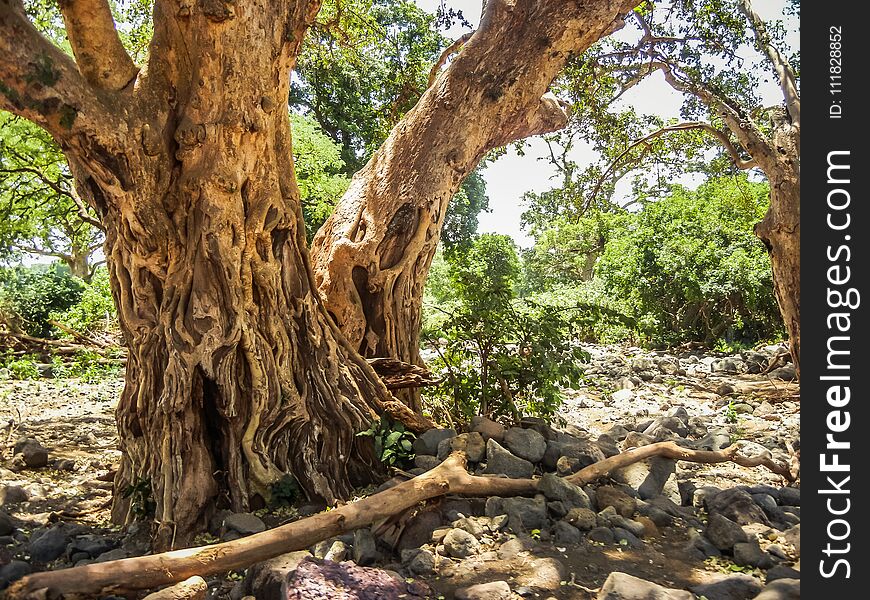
x=536 y=534
x=730 y=413
x=393 y=443
x=142 y=503
x=285 y=491
x=86 y=365
x=23 y=367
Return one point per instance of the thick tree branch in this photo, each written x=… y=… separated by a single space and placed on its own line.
x=41 y=83
x=551 y=115
x=450 y=477
x=448 y=52
x=101 y=57
x=786 y=75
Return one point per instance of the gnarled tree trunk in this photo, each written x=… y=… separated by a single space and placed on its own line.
x=372 y=256
x=236 y=377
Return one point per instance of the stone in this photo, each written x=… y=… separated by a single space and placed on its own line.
x=584 y=451
x=559 y=488
x=729 y=366
x=567 y=465
x=472 y=444
x=792 y=535
x=557 y=508
x=723 y=533
x=243 y=524
x=6 y=524
x=12 y=494
x=494 y=590
x=781 y=589
x=460 y=544
x=470 y=524
x=427 y=442
x=601 y=534
x=565 y=533
x=545 y=574
x=671 y=424
x=607 y=445
x=13 y=571
x=750 y=554
x=456 y=508
x=314 y=578
x=365 y=547
x=116 y=554
x=526 y=513
x=623 y=395
x=737 y=505
x=729 y=587
x=701 y=545
x=426 y=462
x=650 y=477
x=488 y=428
x=622 y=586
x=784 y=373
x=421 y=562
x=624 y=537
x=92 y=545
x=790 y=496
x=581 y=518
x=764 y=409
x=511 y=549
x=50 y=545
x=782 y=572
x=337 y=551
x=624 y=504
x=525 y=443
x=34 y=454
x=767 y=504
x=501 y=462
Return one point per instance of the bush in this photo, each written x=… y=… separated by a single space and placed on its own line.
x=691 y=267
x=23 y=367
x=501 y=356
x=29 y=295
x=95 y=310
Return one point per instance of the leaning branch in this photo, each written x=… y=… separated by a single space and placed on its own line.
x=101 y=57
x=40 y=82
x=448 y=52
x=450 y=477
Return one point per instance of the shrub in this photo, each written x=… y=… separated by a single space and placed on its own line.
x=29 y=295
x=95 y=309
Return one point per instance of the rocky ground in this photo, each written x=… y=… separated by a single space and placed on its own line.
x=654 y=530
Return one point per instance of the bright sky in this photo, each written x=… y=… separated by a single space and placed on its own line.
x=511 y=176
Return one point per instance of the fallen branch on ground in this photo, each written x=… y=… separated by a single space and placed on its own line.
x=450 y=477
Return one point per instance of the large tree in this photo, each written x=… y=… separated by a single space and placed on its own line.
x=236 y=376
x=372 y=255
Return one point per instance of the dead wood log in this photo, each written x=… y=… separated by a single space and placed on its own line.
x=397 y=374
x=192 y=588
x=450 y=477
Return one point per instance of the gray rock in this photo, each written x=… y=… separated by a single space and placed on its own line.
x=472 y=444
x=420 y=562
x=501 y=462
x=426 y=461
x=750 y=554
x=624 y=537
x=116 y=554
x=266 y=578
x=565 y=533
x=546 y=574
x=601 y=534
x=715 y=440
x=12 y=494
x=557 y=508
x=672 y=424
x=621 y=396
x=559 y=488
x=729 y=587
x=472 y=525
x=33 y=453
x=460 y=544
x=607 y=445
x=622 y=586
x=243 y=523
x=701 y=545
x=784 y=373
x=729 y=366
x=608 y=495
x=631 y=525
x=494 y=507
x=567 y=465
x=584 y=451
x=427 y=443
x=680 y=413
x=782 y=572
x=512 y=549
x=525 y=443
x=767 y=504
x=790 y=496
x=737 y=505
x=337 y=551
x=50 y=545
x=581 y=518
x=781 y=589
x=494 y=590
x=650 y=477
x=724 y=533
x=526 y=513
x=92 y=545
x=13 y=571
x=764 y=409
x=793 y=537
x=365 y=547
x=6 y=524
x=488 y=428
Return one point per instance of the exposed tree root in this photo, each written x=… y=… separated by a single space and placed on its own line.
x=450 y=477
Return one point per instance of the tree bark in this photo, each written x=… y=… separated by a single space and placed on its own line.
x=372 y=256
x=235 y=377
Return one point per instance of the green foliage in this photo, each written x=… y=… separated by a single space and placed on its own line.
x=29 y=295
x=691 y=267
x=86 y=365
x=142 y=504
x=23 y=367
x=95 y=310
x=393 y=443
x=501 y=355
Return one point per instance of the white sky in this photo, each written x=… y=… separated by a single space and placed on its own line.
x=511 y=176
